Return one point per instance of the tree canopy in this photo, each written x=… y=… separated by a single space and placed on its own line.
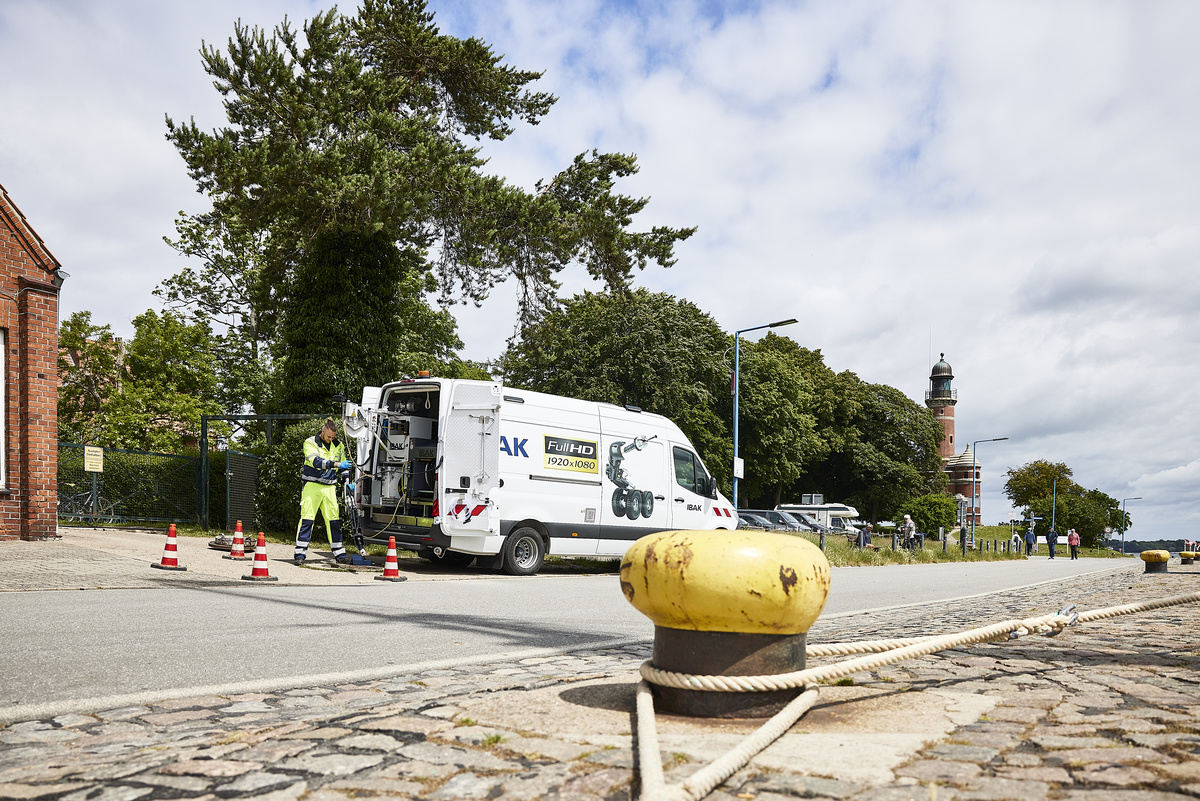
x=357 y=134
x=147 y=395
x=367 y=123
x=803 y=428
x=1068 y=505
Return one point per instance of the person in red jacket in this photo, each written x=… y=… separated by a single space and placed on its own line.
x=1073 y=541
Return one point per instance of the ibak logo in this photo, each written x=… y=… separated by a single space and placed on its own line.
x=576 y=455
x=516 y=448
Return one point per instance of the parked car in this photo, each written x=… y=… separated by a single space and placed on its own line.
x=753 y=521
x=783 y=521
x=812 y=524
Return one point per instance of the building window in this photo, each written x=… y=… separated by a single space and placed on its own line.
x=951 y=439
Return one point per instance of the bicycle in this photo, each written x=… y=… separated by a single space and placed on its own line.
x=85 y=507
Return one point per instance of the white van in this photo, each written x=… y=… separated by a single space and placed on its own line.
x=463 y=471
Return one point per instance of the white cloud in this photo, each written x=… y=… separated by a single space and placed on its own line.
x=1018 y=177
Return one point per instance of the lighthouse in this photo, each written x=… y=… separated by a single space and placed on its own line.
x=941 y=398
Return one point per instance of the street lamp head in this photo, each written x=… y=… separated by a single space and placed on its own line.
x=783 y=322
x=998 y=439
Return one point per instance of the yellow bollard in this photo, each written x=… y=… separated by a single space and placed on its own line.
x=1156 y=561
x=729 y=603
x=1187 y=557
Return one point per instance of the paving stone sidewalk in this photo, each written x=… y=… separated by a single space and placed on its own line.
x=1105 y=712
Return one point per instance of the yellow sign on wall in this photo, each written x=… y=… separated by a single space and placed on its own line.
x=93 y=459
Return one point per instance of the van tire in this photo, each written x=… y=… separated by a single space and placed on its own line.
x=618 y=502
x=523 y=552
x=633 y=504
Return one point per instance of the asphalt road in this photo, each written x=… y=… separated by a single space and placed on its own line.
x=73 y=645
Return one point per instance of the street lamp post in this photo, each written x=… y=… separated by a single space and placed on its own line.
x=1053 y=502
x=1138 y=498
x=975 y=485
x=737 y=359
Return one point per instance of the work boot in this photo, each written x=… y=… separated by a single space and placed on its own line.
x=298 y=560
x=344 y=559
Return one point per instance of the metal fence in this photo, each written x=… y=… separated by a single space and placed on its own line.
x=135 y=486
x=241 y=488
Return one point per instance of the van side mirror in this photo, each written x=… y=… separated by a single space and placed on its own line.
x=710 y=487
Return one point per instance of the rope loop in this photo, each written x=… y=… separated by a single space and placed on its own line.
x=887 y=652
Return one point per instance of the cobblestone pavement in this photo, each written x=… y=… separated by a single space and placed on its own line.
x=1109 y=711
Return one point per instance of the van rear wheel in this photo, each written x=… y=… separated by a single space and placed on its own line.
x=523 y=552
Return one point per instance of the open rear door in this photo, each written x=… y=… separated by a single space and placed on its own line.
x=471 y=458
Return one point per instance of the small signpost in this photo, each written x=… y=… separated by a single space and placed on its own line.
x=93 y=462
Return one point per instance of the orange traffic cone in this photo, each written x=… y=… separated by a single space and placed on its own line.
x=238 y=552
x=260 y=572
x=169 y=561
x=391 y=567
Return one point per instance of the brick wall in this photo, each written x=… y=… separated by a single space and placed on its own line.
x=29 y=323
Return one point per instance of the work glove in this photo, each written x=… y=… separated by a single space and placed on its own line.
x=350 y=486
x=346 y=465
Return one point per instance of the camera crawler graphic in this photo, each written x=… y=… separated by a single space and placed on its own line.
x=627 y=500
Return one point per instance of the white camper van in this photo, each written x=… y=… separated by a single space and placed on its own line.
x=463 y=471
x=836 y=516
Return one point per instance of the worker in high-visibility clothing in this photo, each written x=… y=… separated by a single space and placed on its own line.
x=324 y=456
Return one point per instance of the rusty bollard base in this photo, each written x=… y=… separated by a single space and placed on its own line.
x=731 y=603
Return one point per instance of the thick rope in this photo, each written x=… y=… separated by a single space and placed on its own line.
x=865 y=647
x=701 y=783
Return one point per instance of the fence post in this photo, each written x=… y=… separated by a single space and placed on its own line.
x=202 y=500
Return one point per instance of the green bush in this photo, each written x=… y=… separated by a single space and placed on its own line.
x=930 y=511
x=279 y=477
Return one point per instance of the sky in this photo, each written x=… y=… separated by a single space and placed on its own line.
x=1011 y=183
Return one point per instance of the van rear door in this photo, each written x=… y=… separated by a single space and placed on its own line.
x=470 y=468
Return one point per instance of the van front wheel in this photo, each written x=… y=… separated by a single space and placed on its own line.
x=523 y=552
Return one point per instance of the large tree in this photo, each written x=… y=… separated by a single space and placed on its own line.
x=1046 y=490
x=777 y=429
x=366 y=125
x=148 y=394
x=356 y=311
x=874 y=446
x=88 y=376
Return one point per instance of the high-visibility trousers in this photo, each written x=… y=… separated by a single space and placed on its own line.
x=316 y=497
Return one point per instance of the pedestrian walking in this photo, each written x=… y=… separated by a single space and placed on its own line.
x=1051 y=541
x=1030 y=540
x=1016 y=543
x=1073 y=542
x=908 y=532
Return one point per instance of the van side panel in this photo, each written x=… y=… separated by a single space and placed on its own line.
x=635 y=455
x=550 y=463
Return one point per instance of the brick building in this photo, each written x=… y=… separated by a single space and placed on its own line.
x=30 y=278
x=941 y=398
